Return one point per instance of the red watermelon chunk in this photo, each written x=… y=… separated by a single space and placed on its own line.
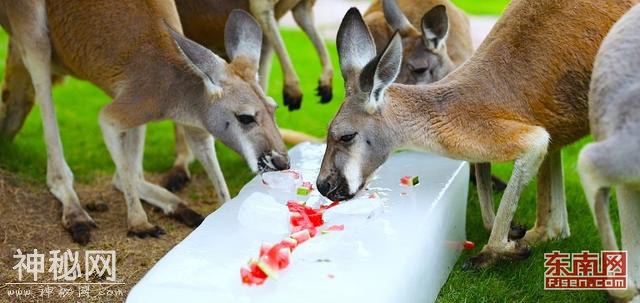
x=273 y=258
x=255 y=270
x=468 y=245
x=308 y=185
x=289 y=243
x=301 y=236
x=316 y=219
x=265 y=248
x=268 y=267
x=339 y=227
x=325 y=207
x=249 y=278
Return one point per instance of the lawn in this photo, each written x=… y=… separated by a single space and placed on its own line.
x=482 y=7
x=78 y=103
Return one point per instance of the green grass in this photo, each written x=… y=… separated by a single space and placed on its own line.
x=482 y=7
x=78 y=104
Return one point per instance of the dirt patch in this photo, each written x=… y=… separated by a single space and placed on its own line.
x=30 y=219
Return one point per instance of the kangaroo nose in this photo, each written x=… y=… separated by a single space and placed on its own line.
x=323 y=187
x=281 y=162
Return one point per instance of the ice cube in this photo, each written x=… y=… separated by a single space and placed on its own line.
x=286 y=181
x=261 y=212
x=404 y=242
x=356 y=210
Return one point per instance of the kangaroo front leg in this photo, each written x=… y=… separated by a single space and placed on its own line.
x=178 y=177
x=499 y=246
x=17 y=93
x=123 y=144
x=154 y=194
x=169 y=203
x=264 y=69
x=31 y=37
x=202 y=144
x=552 y=219
x=303 y=15
x=264 y=13
x=484 y=182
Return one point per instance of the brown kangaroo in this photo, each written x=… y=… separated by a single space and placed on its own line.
x=442 y=44
x=521 y=97
x=435 y=36
x=129 y=49
x=203 y=21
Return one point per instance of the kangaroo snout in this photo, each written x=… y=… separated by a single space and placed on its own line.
x=273 y=161
x=334 y=187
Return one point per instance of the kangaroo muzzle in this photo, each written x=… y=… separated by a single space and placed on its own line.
x=273 y=161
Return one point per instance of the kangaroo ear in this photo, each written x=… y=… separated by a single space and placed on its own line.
x=355 y=48
x=204 y=62
x=381 y=72
x=435 y=27
x=243 y=37
x=396 y=18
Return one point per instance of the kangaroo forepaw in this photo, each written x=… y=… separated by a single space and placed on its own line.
x=148 y=230
x=517 y=231
x=176 y=179
x=325 y=93
x=293 y=101
x=489 y=257
x=498 y=184
x=187 y=216
x=97 y=206
x=81 y=232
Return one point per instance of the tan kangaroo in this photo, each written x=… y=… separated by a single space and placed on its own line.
x=613 y=159
x=442 y=44
x=435 y=36
x=521 y=97
x=203 y=21
x=129 y=49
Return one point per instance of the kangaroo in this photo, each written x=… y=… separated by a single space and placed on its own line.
x=152 y=72
x=521 y=97
x=613 y=160
x=203 y=21
x=442 y=44
x=435 y=36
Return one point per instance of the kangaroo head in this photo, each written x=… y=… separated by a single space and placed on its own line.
x=360 y=137
x=425 y=57
x=229 y=102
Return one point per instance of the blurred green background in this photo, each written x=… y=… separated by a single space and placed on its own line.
x=78 y=103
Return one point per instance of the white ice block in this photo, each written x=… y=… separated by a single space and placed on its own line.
x=399 y=251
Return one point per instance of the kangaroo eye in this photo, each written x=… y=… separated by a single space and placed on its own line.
x=246 y=119
x=348 y=138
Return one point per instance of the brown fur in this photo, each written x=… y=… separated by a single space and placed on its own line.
x=521 y=97
x=134 y=51
x=458 y=43
x=204 y=20
x=108 y=65
x=523 y=75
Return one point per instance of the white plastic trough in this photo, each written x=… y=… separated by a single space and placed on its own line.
x=402 y=252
